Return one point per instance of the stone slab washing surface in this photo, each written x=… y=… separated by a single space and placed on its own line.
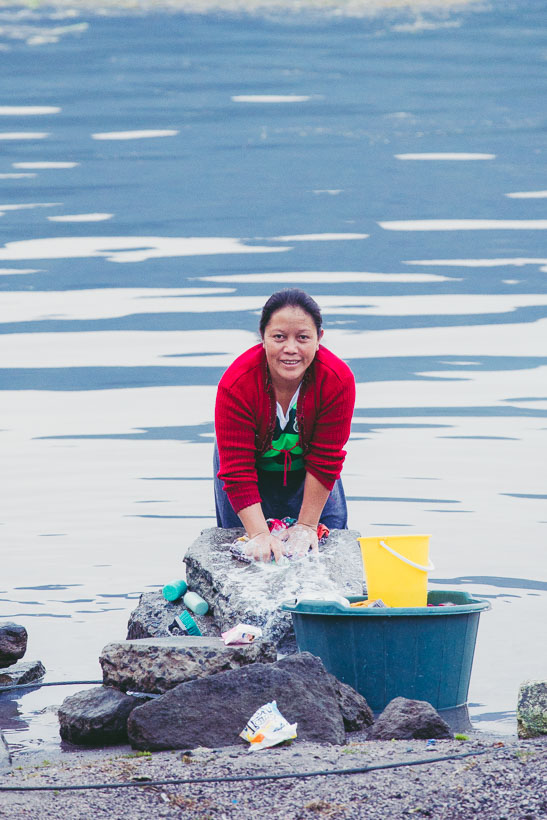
x=212 y=711
x=96 y=717
x=154 y=617
x=13 y=643
x=403 y=719
x=532 y=709
x=22 y=672
x=156 y=665
x=252 y=593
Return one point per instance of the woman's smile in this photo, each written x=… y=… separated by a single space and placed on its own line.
x=290 y=341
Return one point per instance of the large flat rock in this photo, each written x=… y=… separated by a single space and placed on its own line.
x=212 y=711
x=156 y=665
x=252 y=593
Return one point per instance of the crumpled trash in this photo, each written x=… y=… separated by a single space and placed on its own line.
x=376 y=603
x=241 y=634
x=267 y=727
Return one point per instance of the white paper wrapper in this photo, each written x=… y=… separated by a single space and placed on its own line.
x=241 y=634
x=267 y=727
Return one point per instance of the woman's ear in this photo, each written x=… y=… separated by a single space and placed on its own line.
x=320 y=336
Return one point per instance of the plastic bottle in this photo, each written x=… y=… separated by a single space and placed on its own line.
x=174 y=589
x=196 y=603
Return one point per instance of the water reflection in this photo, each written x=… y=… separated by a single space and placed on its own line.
x=409 y=211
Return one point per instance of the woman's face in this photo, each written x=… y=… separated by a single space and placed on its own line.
x=290 y=341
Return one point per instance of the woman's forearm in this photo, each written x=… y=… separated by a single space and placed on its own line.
x=253 y=520
x=315 y=498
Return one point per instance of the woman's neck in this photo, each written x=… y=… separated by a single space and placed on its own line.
x=284 y=393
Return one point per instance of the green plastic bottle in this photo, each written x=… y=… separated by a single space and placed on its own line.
x=174 y=590
x=196 y=603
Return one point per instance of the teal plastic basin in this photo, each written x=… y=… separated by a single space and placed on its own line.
x=422 y=653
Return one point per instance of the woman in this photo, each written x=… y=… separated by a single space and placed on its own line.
x=282 y=417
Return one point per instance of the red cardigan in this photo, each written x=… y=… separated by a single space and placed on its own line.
x=245 y=416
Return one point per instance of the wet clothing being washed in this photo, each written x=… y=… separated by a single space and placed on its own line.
x=245 y=423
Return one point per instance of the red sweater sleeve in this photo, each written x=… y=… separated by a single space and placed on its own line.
x=336 y=400
x=235 y=426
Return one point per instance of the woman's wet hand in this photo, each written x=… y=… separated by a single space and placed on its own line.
x=263 y=545
x=300 y=540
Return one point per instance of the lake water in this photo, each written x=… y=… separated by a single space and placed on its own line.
x=160 y=175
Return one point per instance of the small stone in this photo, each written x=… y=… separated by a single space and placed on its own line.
x=156 y=665
x=403 y=719
x=13 y=643
x=212 y=711
x=5 y=756
x=22 y=672
x=532 y=709
x=96 y=717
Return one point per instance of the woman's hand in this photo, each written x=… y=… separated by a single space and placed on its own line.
x=300 y=540
x=262 y=545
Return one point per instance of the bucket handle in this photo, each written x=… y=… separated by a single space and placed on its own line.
x=429 y=567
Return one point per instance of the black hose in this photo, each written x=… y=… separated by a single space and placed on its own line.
x=37 y=684
x=239 y=778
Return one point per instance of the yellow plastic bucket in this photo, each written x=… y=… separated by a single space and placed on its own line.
x=396 y=568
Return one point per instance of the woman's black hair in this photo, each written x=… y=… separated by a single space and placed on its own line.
x=290 y=297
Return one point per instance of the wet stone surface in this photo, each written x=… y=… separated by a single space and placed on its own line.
x=253 y=593
x=13 y=643
x=158 y=664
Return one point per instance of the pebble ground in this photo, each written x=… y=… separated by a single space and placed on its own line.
x=507 y=782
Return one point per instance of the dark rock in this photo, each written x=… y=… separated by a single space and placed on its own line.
x=355 y=710
x=212 y=711
x=252 y=593
x=154 y=617
x=13 y=643
x=96 y=717
x=403 y=719
x=532 y=709
x=158 y=664
x=5 y=756
x=22 y=672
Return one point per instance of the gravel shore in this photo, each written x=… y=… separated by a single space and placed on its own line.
x=501 y=778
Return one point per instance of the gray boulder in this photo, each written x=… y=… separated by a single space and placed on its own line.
x=154 y=617
x=252 y=593
x=532 y=709
x=356 y=712
x=13 y=643
x=22 y=672
x=212 y=711
x=96 y=717
x=403 y=719
x=5 y=756
x=158 y=664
